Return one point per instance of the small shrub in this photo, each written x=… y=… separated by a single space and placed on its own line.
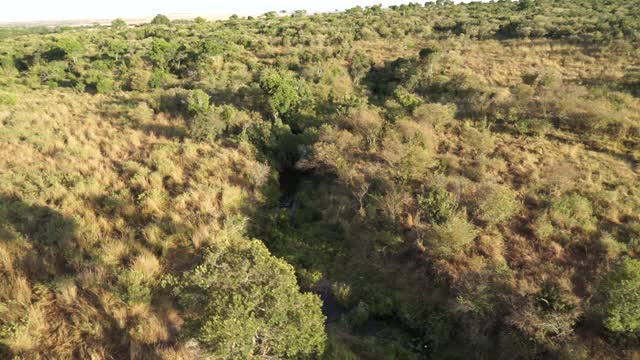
x=105 y=85
x=542 y=227
x=8 y=98
x=358 y=316
x=481 y=142
x=141 y=113
x=438 y=204
x=448 y=238
x=206 y=127
x=496 y=203
x=157 y=80
x=572 y=211
x=437 y=115
x=343 y=294
x=197 y=102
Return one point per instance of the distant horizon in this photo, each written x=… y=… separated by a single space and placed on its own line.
x=30 y=11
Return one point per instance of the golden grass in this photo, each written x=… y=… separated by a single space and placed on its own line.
x=113 y=184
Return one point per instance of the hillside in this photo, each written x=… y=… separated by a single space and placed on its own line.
x=430 y=181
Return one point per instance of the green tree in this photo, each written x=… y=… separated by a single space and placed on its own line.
x=243 y=302
x=438 y=205
x=526 y=4
x=162 y=52
x=70 y=48
x=197 y=102
x=285 y=92
x=118 y=24
x=115 y=49
x=161 y=20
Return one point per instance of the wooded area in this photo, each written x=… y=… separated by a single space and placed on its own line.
x=426 y=181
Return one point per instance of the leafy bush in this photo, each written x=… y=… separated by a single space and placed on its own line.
x=157 y=80
x=358 y=316
x=8 y=98
x=241 y=301
x=496 y=203
x=438 y=204
x=572 y=211
x=206 y=127
x=621 y=307
x=450 y=237
x=437 y=115
x=285 y=93
x=197 y=102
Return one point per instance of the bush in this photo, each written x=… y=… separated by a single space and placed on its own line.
x=157 y=80
x=496 y=203
x=437 y=115
x=621 y=308
x=197 y=102
x=343 y=294
x=241 y=293
x=8 y=98
x=141 y=113
x=358 y=316
x=572 y=211
x=104 y=85
x=438 y=204
x=206 y=127
x=450 y=237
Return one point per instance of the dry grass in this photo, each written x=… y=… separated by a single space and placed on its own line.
x=111 y=184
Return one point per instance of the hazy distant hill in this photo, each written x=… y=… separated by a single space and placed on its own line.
x=85 y=22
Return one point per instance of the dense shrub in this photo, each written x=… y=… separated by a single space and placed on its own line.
x=496 y=203
x=438 y=205
x=449 y=238
x=242 y=302
x=572 y=211
x=622 y=298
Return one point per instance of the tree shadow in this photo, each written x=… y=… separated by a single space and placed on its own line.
x=162 y=130
x=53 y=252
x=382 y=81
x=51 y=234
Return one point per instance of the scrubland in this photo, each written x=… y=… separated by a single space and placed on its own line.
x=437 y=181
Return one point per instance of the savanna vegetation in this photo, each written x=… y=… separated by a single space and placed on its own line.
x=426 y=181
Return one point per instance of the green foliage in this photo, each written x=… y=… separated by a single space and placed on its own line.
x=69 y=48
x=622 y=298
x=157 y=80
x=162 y=52
x=359 y=66
x=118 y=24
x=160 y=20
x=197 y=102
x=572 y=211
x=8 y=98
x=353 y=110
x=438 y=205
x=243 y=302
x=451 y=237
x=115 y=49
x=206 y=127
x=285 y=93
x=496 y=203
x=343 y=294
x=358 y=316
